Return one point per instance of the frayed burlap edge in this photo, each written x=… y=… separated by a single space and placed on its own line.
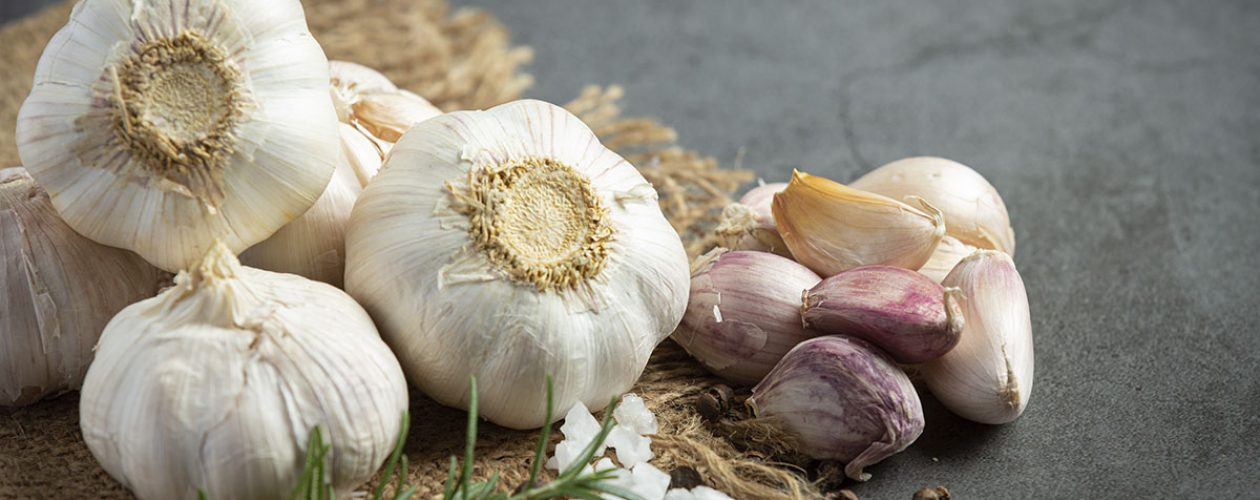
x=458 y=60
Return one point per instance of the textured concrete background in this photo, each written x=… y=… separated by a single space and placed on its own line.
x=1124 y=137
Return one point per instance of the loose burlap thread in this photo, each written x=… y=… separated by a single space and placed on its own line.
x=458 y=60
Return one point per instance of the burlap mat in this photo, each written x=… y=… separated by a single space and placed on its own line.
x=460 y=59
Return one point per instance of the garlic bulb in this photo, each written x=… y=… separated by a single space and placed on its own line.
x=367 y=103
x=749 y=224
x=905 y=313
x=59 y=290
x=974 y=212
x=744 y=312
x=946 y=256
x=164 y=126
x=988 y=376
x=831 y=227
x=844 y=400
x=509 y=244
x=215 y=384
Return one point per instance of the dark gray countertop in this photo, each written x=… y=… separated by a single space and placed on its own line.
x=1124 y=137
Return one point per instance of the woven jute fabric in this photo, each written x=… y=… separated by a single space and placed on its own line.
x=459 y=59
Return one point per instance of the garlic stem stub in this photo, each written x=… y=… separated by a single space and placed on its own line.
x=988 y=376
x=831 y=227
x=163 y=127
x=974 y=211
x=903 y=312
x=511 y=245
x=844 y=400
x=744 y=312
x=59 y=291
x=215 y=384
x=749 y=224
x=947 y=255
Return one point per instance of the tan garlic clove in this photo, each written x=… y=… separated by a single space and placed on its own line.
x=363 y=155
x=388 y=116
x=988 y=376
x=57 y=291
x=974 y=212
x=946 y=256
x=831 y=227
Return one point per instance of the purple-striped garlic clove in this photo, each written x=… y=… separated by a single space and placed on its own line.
x=844 y=399
x=903 y=312
x=749 y=224
x=743 y=313
x=988 y=376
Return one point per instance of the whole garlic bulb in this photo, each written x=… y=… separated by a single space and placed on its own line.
x=510 y=244
x=831 y=227
x=59 y=291
x=974 y=212
x=164 y=126
x=215 y=384
x=367 y=103
x=844 y=400
x=988 y=376
x=749 y=224
x=744 y=313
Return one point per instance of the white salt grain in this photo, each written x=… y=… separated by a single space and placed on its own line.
x=634 y=414
x=632 y=449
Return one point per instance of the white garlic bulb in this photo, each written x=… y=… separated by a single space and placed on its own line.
x=511 y=245
x=313 y=245
x=162 y=126
x=216 y=383
x=59 y=290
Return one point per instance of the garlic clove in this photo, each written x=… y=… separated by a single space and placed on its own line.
x=388 y=115
x=974 y=212
x=903 y=312
x=362 y=154
x=988 y=376
x=844 y=400
x=749 y=224
x=59 y=291
x=216 y=383
x=831 y=227
x=743 y=314
x=166 y=128
x=946 y=256
x=761 y=198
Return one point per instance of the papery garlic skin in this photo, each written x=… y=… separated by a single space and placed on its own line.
x=164 y=126
x=974 y=211
x=510 y=245
x=749 y=224
x=902 y=312
x=831 y=227
x=215 y=384
x=844 y=399
x=988 y=376
x=947 y=255
x=59 y=291
x=744 y=312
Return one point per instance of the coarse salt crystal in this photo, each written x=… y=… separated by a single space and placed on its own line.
x=634 y=414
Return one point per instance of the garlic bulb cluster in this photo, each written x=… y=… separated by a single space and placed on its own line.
x=373 y=114
x=988 y=376
x=844 y=400
x=164 y=126
x=509 y=244
x=749 y=224
x=215 y=384
x=898 y=310
x=744 y=312
x=59 y=291
x=831 y=227
x=974 y=212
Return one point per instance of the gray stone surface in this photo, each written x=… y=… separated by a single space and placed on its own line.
x=1124 y=137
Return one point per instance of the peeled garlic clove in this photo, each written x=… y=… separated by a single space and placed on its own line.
x=216 y=383
x=904 y=313
x=389 y=115
x=749 y=224
x=57 y=291
x=511 y=245
x=744 y=312
x=988 y=376
x=831 y=227
x=844 y=400
x=166 y=128
x=974 y=212
x=946 y=256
